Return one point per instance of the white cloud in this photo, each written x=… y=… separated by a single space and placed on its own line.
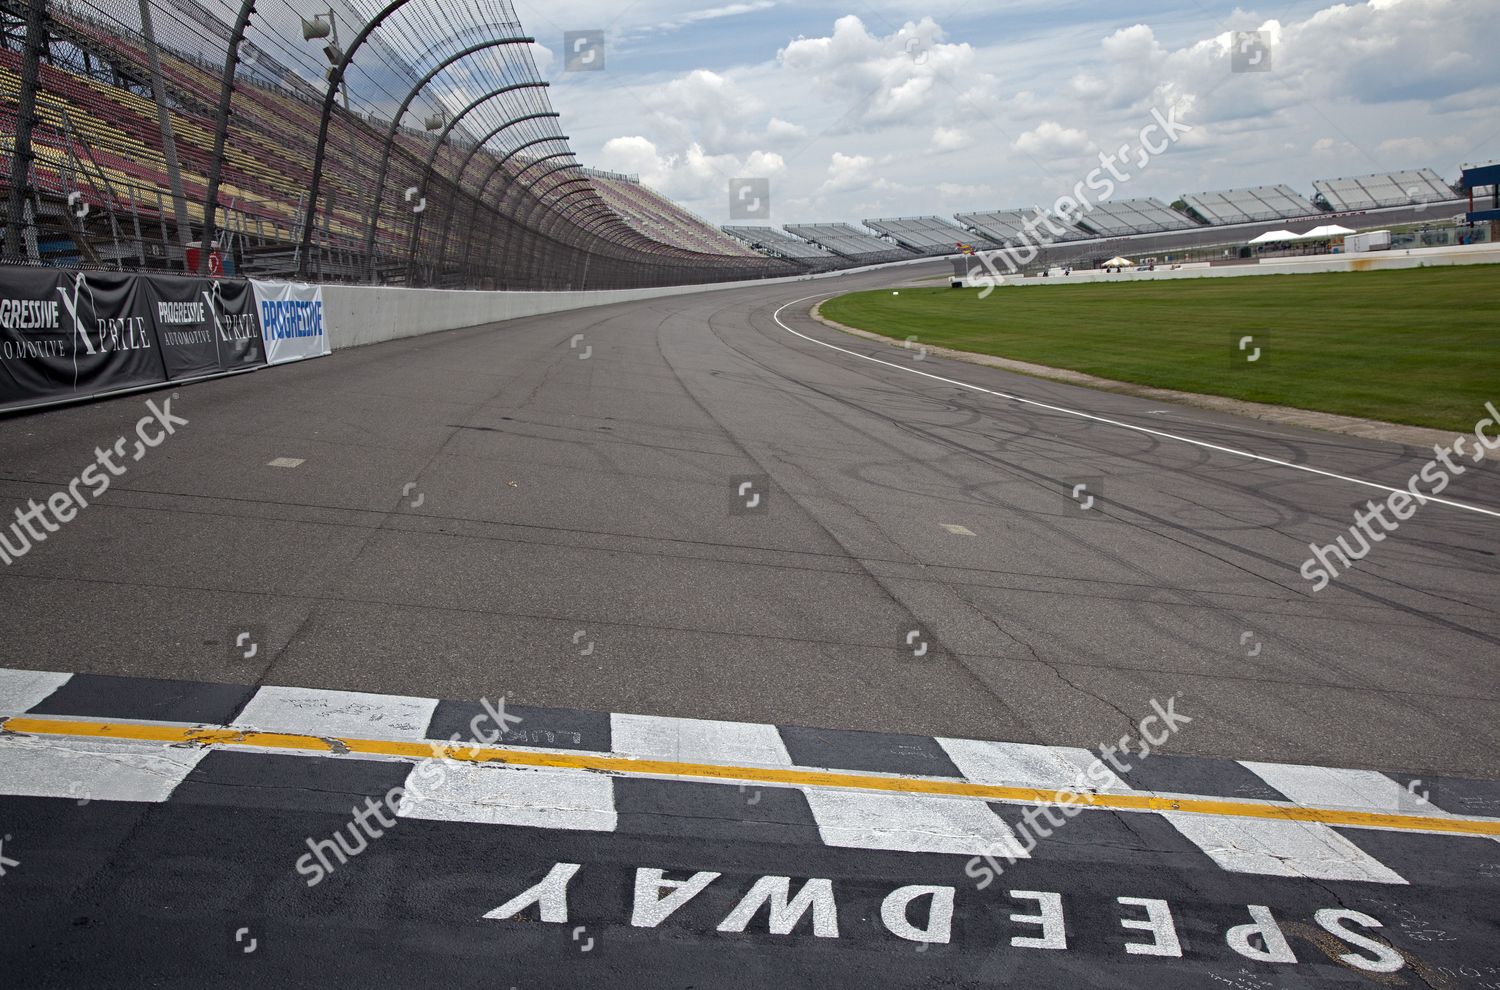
x=950 y=139
x=848 y=172
x=1049 y=140
x=712 y=14
x=901 y=120
x=690 y=175
x=883 y=80
x=964 y=193
x=782 y=130
x=543 y=57
x=709 y=106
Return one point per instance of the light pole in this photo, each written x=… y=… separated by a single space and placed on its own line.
x=335 y=78
x=326 y=25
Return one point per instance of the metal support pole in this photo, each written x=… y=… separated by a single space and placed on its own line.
x=479 y=197
x=513 y=226
x=168 y=140
x=335 y=78
x=21 y=154
x=545 y=158
x=390 y=137
x=497 y=210
x=221 y=127
x=542 y=228
x=523 y=220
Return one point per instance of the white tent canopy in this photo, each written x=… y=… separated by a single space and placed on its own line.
x=1118 y=262
x=1326 y=231
x=1275 y=237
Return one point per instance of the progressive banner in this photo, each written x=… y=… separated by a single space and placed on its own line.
x=72 y=335
x=205 y=326
x=291 y=320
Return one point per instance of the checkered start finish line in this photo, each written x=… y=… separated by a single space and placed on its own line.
x=126 y=739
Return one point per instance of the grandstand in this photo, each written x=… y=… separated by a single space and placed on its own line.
x=845 y=241
x=490 y=196
x=1247 y=205
x=925 y=235
x=503 y=201
x=1383 y=189
x=775 y=243
x=1004 y=227
x=1116 y=217
x=664 y=220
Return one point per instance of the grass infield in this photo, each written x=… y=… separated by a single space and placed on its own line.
x=1420 y=346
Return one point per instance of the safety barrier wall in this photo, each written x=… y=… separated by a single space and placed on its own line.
x=66 y=336
x=358 y=315
x=1469 y=254
x=72 y=336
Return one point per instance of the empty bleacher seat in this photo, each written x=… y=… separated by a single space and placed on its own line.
x=1005 y=227
x=1249 y=205
x=847 y=242
x=771 y=241
x=1112 y=218
x=925 y=235
x=1383 y=189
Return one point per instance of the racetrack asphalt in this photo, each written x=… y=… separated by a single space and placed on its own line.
x=519 y=510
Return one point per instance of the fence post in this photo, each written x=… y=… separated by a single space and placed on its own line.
x=221 y=129
x=164 y=121
x=390 y=136
x=21 y=156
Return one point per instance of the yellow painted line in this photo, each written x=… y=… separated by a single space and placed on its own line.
x=784 y=776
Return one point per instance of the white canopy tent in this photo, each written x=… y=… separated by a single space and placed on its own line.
x=1118 y=262
x=1275 y=237
x=1325 y=232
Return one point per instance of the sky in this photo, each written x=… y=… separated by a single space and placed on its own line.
x=857 y=109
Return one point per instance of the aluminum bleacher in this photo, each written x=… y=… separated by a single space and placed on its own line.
x=1116 y=217
x=117 y=132
x=1006 y=226
x=1383 y=189
x=847 y=242
x=97 y=137
x=925 y=235
x=662 y=219
x=769 y=240
x=1247 y=205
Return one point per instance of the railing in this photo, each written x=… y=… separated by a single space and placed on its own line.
x=159 y=125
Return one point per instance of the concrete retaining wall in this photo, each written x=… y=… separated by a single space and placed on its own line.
x=359 y=314
x=1468 y=254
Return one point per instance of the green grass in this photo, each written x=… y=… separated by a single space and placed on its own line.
x=1420 y=346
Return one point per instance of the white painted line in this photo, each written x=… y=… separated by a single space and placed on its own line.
x=1029 y=765
x=1325 y=787
x=691 y=740
x=21 y=689
x=1359 y=790
x=93 y=769
x=956 y=529
x=1281 y=849
x=911 y=823
x=1115 y=422
x=501 y=795
x=287 y=462
x=352 y=714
